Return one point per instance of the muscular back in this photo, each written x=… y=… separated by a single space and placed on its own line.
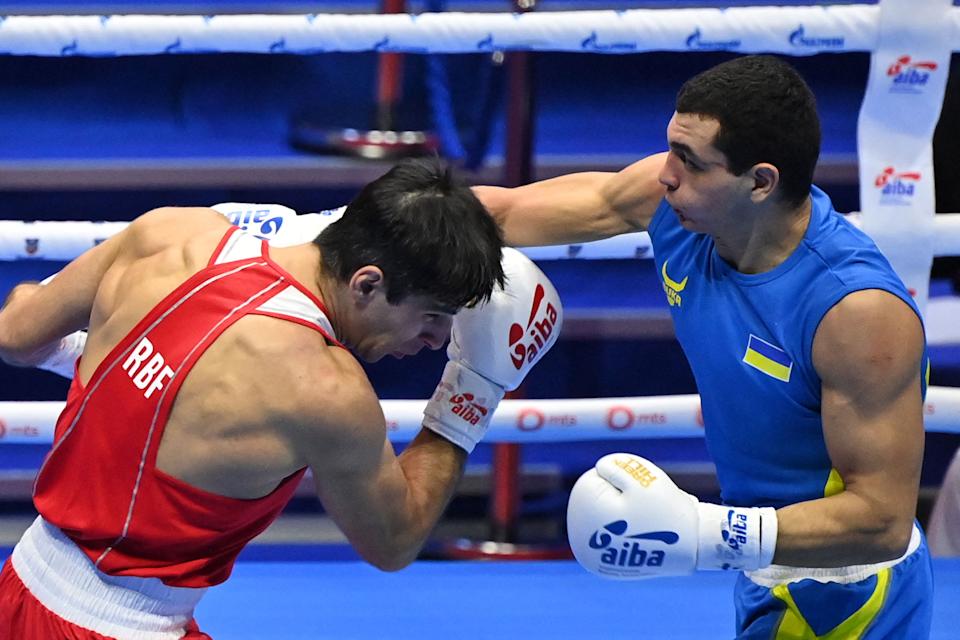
x=221 y=435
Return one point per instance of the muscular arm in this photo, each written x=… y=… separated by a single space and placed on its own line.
x=579 y=207
x=35 y=317
x=867 y=351
x=386 y=505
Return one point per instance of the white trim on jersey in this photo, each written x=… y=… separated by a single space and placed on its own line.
x=292 y=302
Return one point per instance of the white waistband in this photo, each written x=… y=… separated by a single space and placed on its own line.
x=779 y=574
x=64 y=580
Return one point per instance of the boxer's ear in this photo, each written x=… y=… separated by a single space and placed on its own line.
x=366 y=282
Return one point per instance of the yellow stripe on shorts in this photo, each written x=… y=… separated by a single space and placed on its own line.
x=793 y=626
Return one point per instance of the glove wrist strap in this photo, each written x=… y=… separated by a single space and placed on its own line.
x=736 y=538
x=63 y=359
x=462 y=405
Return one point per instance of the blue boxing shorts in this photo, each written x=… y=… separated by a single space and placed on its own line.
x=886 y=601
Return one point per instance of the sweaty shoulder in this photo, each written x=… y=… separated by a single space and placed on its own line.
x=330 y=407
x=174 y=227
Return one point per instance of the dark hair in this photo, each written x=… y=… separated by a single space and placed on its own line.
x=766 y=112
x=425 y=230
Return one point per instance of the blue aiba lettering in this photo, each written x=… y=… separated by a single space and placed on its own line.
x=898 y=188
x=271 y=226
x=632 y=554
x=912 y=77
x=247 y=219
x=736 y=535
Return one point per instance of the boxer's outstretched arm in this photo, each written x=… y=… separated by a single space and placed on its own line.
x=578 y=207
x=35 y=317
x=868 y=353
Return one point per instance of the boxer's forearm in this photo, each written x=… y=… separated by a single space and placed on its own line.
x=433 y=467
x=841 y=530
x=14 y=348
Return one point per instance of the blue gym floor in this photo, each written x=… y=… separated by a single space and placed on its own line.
x=478 y=600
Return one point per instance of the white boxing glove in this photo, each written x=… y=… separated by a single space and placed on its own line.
x=492 y=347
x=627 y=520
x=62 y=359
x=277 y=224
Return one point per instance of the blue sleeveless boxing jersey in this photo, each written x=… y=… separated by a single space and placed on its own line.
x=749 y=341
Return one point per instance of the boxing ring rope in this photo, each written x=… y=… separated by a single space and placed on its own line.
x=65 y=240
x=519 y=421
x=787 y=30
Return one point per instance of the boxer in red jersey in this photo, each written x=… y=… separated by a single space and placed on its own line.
x=214 y=375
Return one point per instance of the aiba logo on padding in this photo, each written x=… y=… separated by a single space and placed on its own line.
x=908 y=75
x=466 y=406
x=897 y=187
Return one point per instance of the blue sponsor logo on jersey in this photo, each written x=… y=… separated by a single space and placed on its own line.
x=620 y=551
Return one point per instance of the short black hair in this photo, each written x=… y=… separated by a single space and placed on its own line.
x=425 y=229
x=766 y=112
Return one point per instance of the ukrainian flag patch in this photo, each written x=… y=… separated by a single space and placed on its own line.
x=765 y=357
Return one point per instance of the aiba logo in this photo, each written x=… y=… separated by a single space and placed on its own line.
x=909 y=76
x=735 y=532
x=258 y=221
x=526 y=342
x=31 y=246
x=465 y=406
x=621 y=552
x=896 y=187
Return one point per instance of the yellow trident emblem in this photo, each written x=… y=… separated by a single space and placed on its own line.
x=671 y=287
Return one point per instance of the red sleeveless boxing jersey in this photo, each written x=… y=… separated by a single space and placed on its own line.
x=99 y=484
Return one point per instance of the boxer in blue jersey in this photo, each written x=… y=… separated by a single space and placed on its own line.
x=808 y=352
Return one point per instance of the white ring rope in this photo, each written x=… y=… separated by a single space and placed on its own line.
x=787 y=30
x=64 y=241
x=522 y=421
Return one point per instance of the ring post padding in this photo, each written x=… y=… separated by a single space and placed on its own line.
x=905 y=89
